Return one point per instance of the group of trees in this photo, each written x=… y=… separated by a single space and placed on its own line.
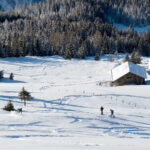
x=11 y=76
x=23 y=95
x=69 y=28
x=134 y=12
x=135 y=57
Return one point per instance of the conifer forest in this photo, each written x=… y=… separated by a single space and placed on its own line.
x=74 y=28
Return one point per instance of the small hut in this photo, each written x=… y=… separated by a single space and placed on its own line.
x=128 y=73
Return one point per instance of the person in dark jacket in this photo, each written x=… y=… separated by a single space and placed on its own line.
x=102 y=110
x=112 y=113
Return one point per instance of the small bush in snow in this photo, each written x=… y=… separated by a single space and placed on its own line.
x=9 y=106
x=111 y=58
x=97 y=57
x=11 y=77
x=19 y=110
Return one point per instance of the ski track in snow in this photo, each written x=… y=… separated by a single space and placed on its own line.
x=67 y=100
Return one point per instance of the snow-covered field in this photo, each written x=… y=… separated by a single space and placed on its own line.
x=64 y=114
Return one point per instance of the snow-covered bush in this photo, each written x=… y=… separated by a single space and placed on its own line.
x=9 y=106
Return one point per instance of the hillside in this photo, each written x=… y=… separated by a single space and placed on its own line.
x=135 y=12
x=72 y=29
x=64 y=114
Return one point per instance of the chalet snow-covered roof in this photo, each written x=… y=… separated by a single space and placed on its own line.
x=128 y=67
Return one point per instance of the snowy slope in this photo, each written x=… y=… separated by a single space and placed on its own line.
x=64 y=114
x=10 y=4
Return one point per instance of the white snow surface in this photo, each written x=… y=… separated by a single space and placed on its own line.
x=64 y=114
x=128 y=67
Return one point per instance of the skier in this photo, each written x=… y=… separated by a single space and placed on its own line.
x=101 y=109
x=112 y=113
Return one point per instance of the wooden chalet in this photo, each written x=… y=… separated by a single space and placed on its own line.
x=128 y=73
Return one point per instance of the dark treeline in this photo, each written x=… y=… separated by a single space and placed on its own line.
x=10 y=16
x=69 y=28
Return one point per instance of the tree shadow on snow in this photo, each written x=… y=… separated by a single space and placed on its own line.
x=12 y=98
x=147 y=82
x=7 y=80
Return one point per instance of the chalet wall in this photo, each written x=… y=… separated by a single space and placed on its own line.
x=129 y=79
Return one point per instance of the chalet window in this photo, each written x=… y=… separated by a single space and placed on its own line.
x=129 y=77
